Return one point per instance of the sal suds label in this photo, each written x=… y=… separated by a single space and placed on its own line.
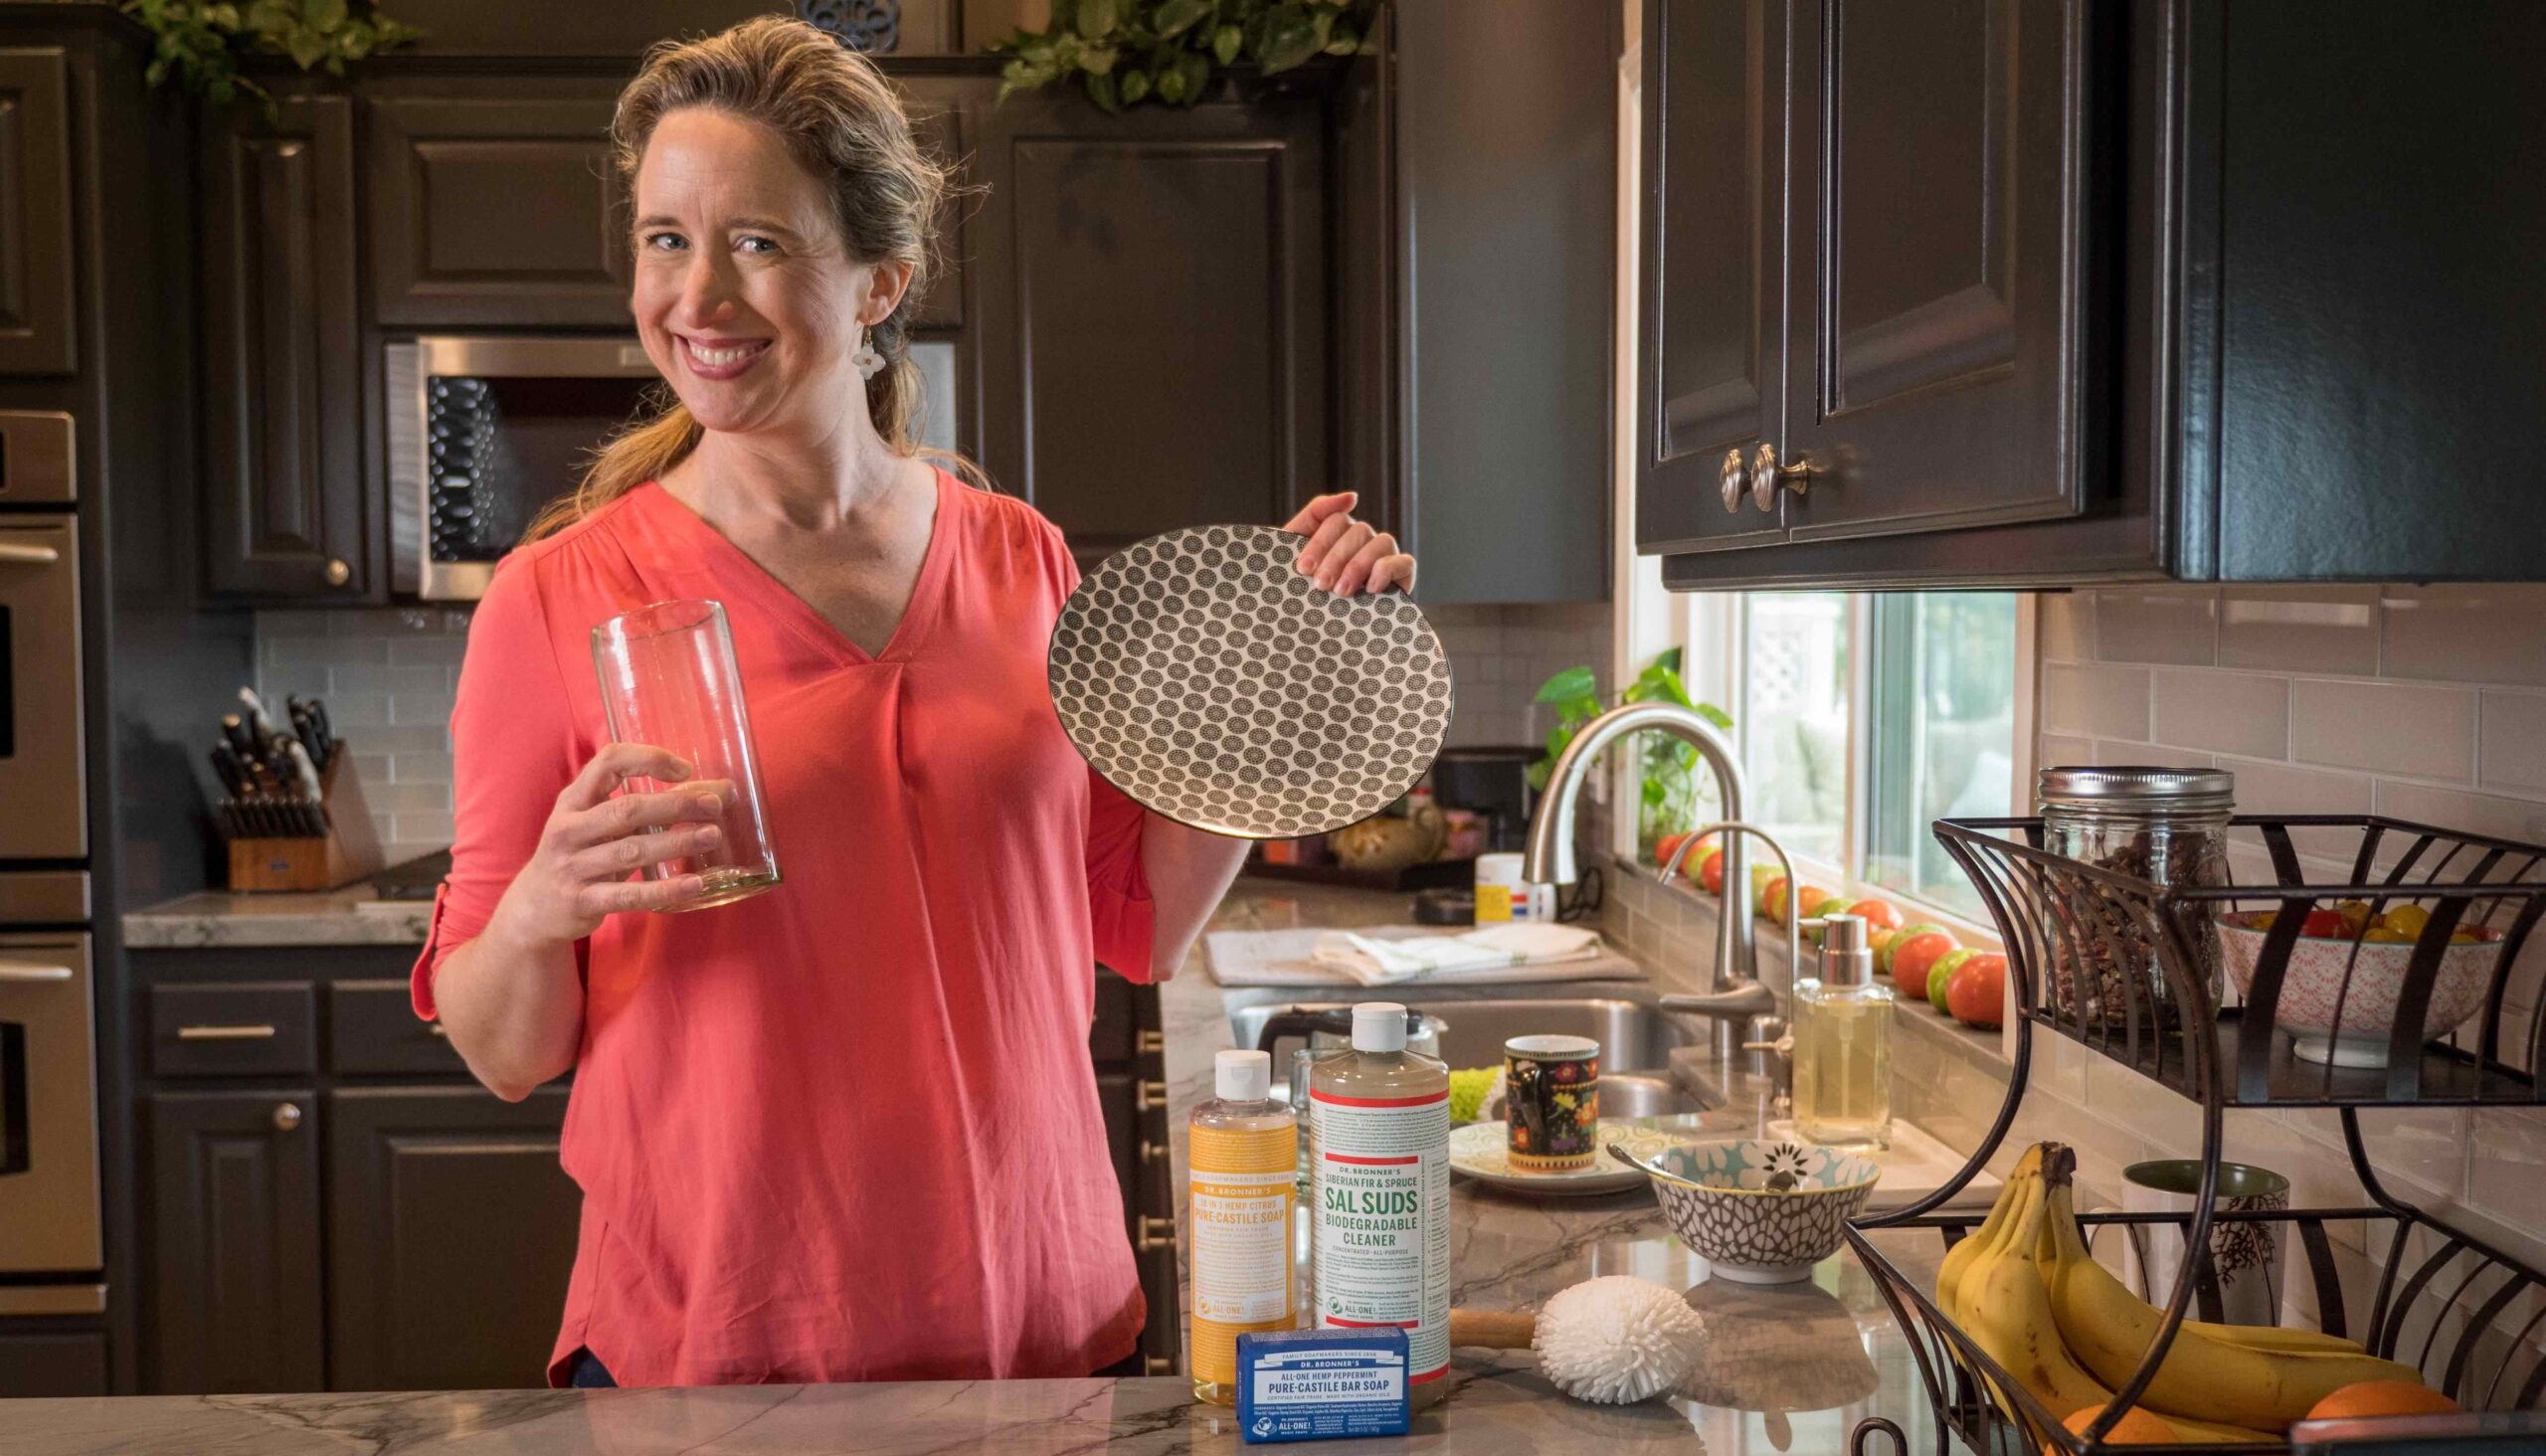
x=1382 y=1254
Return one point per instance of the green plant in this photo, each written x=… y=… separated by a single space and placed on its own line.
x=1668 y=803
x=1125 y=52
x=200 y=42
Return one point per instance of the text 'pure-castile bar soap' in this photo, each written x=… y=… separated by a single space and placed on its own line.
x=1244 y=1174
x=1380 y=1119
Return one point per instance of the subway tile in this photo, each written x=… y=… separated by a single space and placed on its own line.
x=2452 y=809
x=2148 y=755
x=2106 y=702
x=324 y=652
x=2231 y=712
x=421 y=768
x=2454 y=634
x=433 y=738
x=353 y=714
x=2054 y=750
x=2509 y=1180
x=420 y=651
x=2309 y=628
x=398 y=798
x=2428 y=1145
x=374 y=768
x=2280 y=788
x=420 y=708
x=287 y=622
x=2065 y=626
x=429 y=681
x=2512 y=750
x=275 y=683
x=423 y=829
x=2175 y=627
x=2385 y=727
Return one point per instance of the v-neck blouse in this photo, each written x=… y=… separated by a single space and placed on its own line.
x=848 y=1129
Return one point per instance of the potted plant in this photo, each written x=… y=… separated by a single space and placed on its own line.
x=1672 y=792
x=1125 y=51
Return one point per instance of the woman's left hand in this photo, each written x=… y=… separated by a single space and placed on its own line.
x=1345 y=555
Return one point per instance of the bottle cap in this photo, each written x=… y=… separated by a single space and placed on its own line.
x=1378 y=1026
x=1243 y=1076
x=1845 y=961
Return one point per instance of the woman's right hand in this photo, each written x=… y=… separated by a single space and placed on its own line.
x=595 y=840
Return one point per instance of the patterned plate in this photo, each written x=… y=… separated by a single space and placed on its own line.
x=1215 y=685
x=1478 y=1149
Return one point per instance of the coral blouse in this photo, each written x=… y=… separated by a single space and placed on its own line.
x=846 y=1129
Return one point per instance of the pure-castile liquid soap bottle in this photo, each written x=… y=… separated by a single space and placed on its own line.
x=1242 y=1169
x=1842 y=1044
x=1380 y=1116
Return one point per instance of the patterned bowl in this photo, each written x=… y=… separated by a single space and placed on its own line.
x=1762 y=1213
x=2314 y=988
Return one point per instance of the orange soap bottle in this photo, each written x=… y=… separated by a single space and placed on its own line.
x=1243 y=1169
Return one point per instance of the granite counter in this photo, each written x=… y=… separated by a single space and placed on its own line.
x=352 y=916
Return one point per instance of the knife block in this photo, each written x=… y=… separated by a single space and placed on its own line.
x=348 y=851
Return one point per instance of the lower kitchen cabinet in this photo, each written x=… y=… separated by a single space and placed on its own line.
x=451 y=1235
x=33 y=1365
x=234 y=1209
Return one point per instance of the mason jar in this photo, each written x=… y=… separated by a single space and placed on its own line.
x=2168 y=826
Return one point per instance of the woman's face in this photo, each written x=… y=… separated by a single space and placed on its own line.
x=746 y=298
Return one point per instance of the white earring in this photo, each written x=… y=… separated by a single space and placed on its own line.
x=868 y=362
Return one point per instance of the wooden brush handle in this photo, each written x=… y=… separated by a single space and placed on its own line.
x=1493 y=1328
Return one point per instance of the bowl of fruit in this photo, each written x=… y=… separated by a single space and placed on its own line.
x=2346 y=973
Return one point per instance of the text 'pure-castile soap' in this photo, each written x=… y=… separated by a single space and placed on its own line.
x=1380 y=1119
x=1244 y=1174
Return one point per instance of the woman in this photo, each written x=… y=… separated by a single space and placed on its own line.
x=848 y=1129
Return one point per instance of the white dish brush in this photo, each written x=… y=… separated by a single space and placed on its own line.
x=1608 y=1340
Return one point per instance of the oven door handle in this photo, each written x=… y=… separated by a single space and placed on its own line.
x=14 y=554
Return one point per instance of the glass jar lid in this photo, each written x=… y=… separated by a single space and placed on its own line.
x=2128 y=787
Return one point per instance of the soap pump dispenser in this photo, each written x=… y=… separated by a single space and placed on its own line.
x=1843 y=1043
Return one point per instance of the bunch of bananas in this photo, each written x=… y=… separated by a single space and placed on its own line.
x=2028 y=1293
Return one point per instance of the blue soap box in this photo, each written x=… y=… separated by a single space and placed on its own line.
x=1315 y=1385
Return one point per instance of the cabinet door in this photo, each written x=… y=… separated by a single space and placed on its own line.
x=36 y=334
x=496 y=211
x=39 y=1364
x=234 y=1181
x=282 y=354
x=450 y=1233
x=1709 y=380
x=1154 y=350
x=1934 y=267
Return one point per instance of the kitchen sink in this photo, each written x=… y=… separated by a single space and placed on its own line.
x=1633 y=1036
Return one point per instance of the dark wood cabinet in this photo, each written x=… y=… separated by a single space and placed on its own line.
x=234 y=1205
x=451 y=1234
x=499 y=208
x=38 y=1363
x=286 y=514
x=2080 y=294
x=36 y=286
x=1155 y=349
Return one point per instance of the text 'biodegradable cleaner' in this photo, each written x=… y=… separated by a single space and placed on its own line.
x=1380 y=1119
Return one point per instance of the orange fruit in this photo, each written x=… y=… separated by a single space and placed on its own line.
x=2137 y=1427
x=2382 y=1398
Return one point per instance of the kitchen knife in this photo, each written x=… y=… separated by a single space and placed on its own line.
x=326 y=744
x=242 y=741
x=265 y=725
x=224 y=766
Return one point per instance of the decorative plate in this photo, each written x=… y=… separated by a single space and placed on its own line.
x=1206 y=678
x=1478 y=1149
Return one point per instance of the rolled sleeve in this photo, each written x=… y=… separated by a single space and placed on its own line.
x=513 y=751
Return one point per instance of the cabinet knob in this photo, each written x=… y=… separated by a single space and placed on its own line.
x=1158 y=1364
x=1155 y=1234
x=338 y=573
x=1152 y=1044
x=1153 y=1152
x=287 y=1116
x=1732 y=479
x=1767 y=475
x=1149 y=1096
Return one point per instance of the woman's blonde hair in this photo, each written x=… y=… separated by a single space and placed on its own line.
x=844 y=123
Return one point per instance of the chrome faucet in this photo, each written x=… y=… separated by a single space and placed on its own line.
x=1734 y=995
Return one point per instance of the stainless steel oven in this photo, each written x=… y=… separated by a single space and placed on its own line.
x=44 y=811
x=50 y=1220
x=482 y=433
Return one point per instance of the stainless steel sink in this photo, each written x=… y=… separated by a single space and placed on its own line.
x=1633 y=1036
x=1634 y=1094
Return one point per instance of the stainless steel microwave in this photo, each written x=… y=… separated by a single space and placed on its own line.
x=482 y=433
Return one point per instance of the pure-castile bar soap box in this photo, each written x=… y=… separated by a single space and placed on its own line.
x=1314 y=1385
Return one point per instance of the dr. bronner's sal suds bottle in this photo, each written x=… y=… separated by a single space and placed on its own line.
x=1379 y=1117
x=1243 y=1171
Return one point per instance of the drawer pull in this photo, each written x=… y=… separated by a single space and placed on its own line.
x=1158 y=1364
x=1153 y=1152
x=31 y=972
x=225 y=1033
x=1155 y=1234
x=1153 y=1043
x=1149 y=1096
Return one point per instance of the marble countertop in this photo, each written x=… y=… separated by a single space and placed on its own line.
x=354 y=915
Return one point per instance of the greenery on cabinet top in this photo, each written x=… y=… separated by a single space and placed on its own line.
x=201 y=42
x=1125 y=52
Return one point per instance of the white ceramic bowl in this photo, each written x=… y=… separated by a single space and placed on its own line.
x=2313 y=989
x=1761 y=1211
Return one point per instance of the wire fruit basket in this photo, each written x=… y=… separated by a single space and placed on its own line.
x=2371 y=961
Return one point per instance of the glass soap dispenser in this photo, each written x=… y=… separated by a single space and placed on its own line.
x=1842 y=1044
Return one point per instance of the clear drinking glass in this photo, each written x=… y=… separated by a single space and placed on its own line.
x=668 y=679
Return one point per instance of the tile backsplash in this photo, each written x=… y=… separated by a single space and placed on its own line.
x=388 y=675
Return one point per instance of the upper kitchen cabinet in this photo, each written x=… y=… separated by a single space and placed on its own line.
x=36 y=334
x=2075 y=294
x=1155 y=352
x=1505 y=121
x=493 y=204
x=284 y=514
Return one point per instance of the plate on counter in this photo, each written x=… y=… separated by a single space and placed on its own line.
x=1203 y=676
x=1478 y=1151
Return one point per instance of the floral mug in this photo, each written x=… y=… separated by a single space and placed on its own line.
x=1551 y=1103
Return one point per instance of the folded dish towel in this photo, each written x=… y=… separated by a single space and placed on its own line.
x=1373 y=962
